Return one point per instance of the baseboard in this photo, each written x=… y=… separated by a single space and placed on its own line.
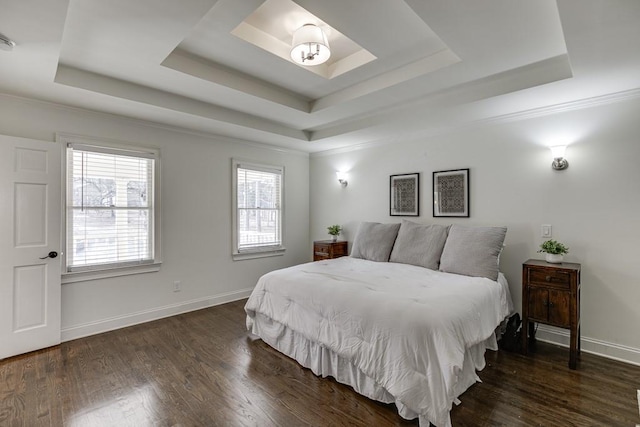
x=110 y=324
x=590 y=345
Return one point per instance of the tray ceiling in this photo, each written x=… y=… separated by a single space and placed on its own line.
x=222 y=66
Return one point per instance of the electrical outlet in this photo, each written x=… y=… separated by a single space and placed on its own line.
x=545 y=231
x=177 y=286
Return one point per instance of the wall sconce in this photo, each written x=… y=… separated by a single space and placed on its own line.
x=342 y=178
x=6 y=43
x=559 y=162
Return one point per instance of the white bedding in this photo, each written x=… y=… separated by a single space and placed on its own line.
x=407 y=328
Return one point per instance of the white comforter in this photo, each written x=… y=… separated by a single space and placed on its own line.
x=406 y=327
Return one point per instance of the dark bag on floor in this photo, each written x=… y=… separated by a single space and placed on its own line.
x=511 y=338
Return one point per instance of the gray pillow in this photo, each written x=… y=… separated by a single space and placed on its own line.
x=374 y=241
x=419 y=244
x=473 y=251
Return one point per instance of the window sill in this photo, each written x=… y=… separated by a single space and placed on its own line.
x=83 y=276
x=239 y=256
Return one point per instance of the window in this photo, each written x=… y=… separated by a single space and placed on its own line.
x=258 y=210
x=111 y=209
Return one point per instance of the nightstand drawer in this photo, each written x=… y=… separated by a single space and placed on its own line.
x=327 y=249
x=321 y=250
x=340 y=250
x=548 y=276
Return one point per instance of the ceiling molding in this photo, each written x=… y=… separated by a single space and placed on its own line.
x=155 y=125
x=187 y=63
x=580 y=104
x=532 y=75
x=97 y=83
x=564 y=107
x=421 y=67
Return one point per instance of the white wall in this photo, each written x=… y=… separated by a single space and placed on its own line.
x=196 y=218
x=594 y=206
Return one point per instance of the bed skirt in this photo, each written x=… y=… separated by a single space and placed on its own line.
x=325 y=363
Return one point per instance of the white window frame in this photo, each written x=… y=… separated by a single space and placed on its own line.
x=107 y=270
x=258 y=252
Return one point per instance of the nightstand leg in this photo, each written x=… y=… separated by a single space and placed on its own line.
x=523 y=335
x=579 y=340
x=573 y=348
x=532 y=337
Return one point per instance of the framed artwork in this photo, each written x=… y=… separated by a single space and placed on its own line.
x=451 y=193
x=403 y=193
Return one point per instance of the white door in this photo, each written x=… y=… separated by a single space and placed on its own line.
x=30 y=209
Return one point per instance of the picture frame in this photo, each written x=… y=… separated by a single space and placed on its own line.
x=451 y=193
x=404 y=194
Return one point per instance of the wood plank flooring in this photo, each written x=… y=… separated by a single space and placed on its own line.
x=203 y=369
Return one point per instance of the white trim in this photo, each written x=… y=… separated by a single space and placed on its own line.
x=110 y=324
x=239 y=256
x=104 y=273
x=606 y=349
x=579 y=104
x=103 y=149
x=96 y=142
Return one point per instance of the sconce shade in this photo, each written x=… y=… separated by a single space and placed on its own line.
x=310 y=46
x=559 y=162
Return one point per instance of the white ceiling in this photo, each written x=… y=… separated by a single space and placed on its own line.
x=439 y=63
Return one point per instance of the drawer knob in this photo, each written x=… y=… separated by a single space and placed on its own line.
x=548 y=278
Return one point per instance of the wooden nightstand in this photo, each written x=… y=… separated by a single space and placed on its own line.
x=328 y=249
x=551 y=295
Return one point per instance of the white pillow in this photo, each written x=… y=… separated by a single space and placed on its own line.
x=473 y=251
x=374 y=241
x=419 y=244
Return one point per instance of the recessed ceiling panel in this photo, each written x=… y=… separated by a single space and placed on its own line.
x=271 y=27
x=254 y=38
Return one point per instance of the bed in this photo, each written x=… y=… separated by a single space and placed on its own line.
x=397 y=332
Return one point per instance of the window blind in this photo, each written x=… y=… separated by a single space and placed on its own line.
x=110 y=196
x=259 y=200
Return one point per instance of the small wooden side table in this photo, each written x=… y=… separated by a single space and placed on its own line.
x=551 y=295
x=328 y=249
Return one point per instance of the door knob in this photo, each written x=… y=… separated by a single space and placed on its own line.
x=51 y=254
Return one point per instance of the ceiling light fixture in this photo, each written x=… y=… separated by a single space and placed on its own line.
x=6 y=43
x=310 y=46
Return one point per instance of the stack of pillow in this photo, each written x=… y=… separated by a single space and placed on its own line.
x=470 y=251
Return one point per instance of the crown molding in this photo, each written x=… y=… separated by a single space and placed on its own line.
x=155 y=125
x=580 y=104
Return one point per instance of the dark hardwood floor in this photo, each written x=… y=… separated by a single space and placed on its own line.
x=202 y=369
